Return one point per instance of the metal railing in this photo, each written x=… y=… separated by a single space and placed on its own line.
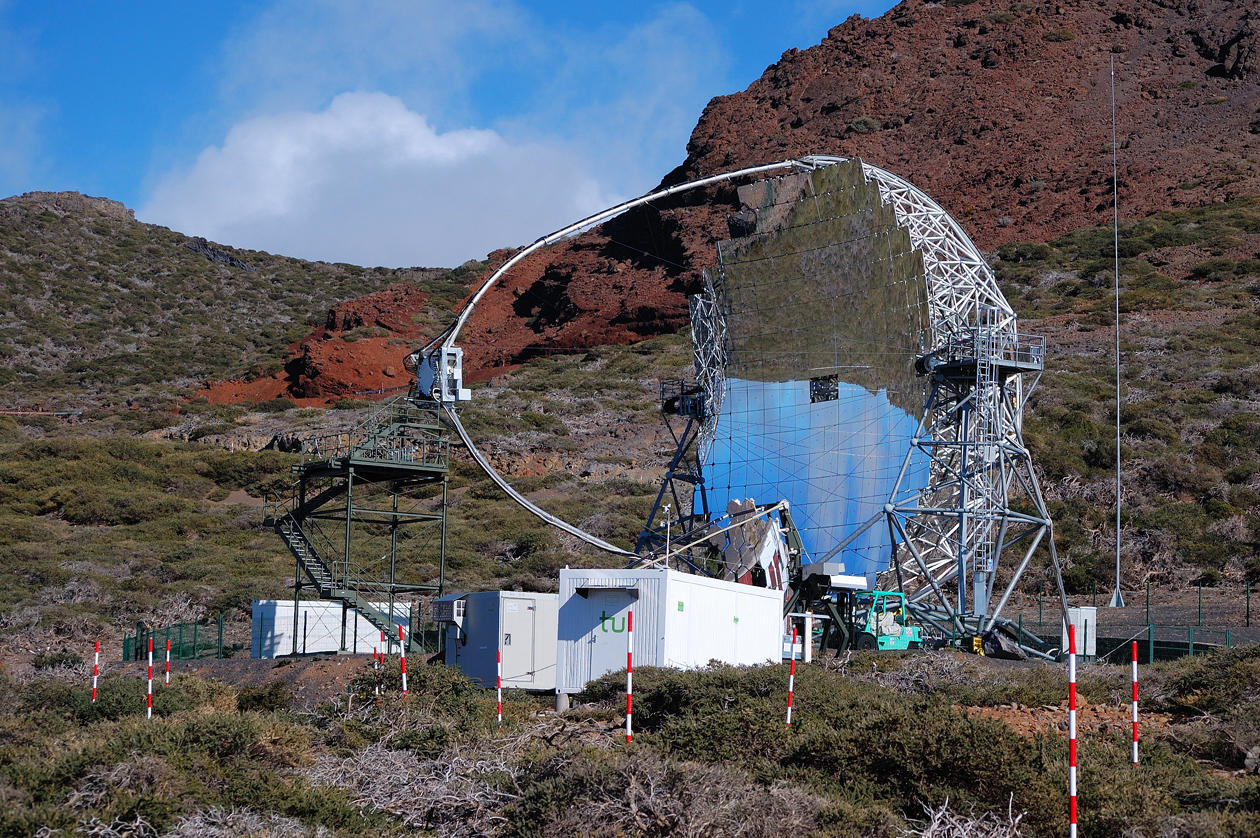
x=996 y=346
x=398 y=432
x=390 y=448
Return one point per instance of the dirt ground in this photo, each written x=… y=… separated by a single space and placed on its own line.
x=1092 y=718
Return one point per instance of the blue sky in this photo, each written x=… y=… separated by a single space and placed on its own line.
x=390 y=133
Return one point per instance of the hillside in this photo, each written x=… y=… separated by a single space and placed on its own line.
x=1001 y=110
x=99 y=533
x=578 y=430
x=102 y=310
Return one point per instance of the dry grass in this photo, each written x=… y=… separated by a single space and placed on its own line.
x=943 y=822
x=461 y=793
x=644 y=794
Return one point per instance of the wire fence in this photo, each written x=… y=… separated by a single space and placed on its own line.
x=188 y=640
x=1166 y=622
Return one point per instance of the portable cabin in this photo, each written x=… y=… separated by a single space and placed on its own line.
x=521 y=625
x=681 y=620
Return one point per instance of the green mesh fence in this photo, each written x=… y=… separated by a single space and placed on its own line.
x=188 y=641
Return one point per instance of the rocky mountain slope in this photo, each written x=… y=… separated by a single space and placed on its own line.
x=1001 y=110
x=100 y=309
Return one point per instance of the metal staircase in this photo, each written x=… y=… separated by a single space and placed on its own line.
x=354 y=492
x=308 y=559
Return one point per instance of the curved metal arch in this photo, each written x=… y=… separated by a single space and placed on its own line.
x=960 y=283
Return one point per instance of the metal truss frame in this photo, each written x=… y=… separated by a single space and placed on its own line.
x=710 y=353
x=983 y=500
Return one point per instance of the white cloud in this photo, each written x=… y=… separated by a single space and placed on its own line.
x=627 y=94
x=370 y=182
x=631 y=97
x=566 y=119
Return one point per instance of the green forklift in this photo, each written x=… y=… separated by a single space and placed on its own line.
x=882 y=621
x=853 y=617
x=856 y=619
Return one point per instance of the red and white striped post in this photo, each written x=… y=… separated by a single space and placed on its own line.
x=96 y=670
x=402 y=658
x=167 y=682
x=1135 y=723
x=149 y=698
x=791 y=676
x=1071 y=731
x=629 y=673
x=498 y=682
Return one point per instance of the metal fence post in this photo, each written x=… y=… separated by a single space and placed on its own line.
x=1148 y=603
x=181 y=638
x=1094 y=603
x=1190 y=638
x=1041 y=593
x=1150 y=644
x=194 y=654
x=1228 y=643
x=1248 y=617
x=1200 y=602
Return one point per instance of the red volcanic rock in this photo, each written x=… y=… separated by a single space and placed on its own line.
x=393 y=309
x=1001 y=111
x=357 y=352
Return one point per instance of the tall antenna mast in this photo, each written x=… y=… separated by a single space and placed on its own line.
x=1117 y=599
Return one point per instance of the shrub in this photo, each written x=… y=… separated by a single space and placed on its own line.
x=50 y=660
x=277 y=405
x=1212 y=684
x=867 y=124
x=273 y=696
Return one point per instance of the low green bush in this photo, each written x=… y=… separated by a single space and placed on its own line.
x=273 y=696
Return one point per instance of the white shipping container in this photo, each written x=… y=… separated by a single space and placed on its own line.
x=681 y=620
x=318 y=627
x=521 y=625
